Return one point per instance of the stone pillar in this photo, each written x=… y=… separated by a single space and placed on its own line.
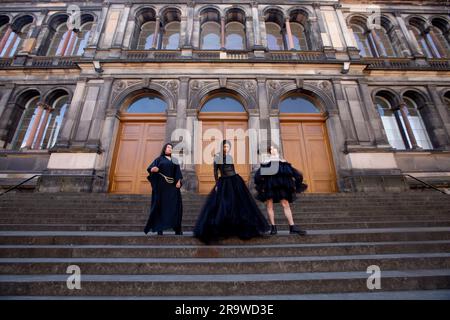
x=324 y=34
x=72 y=115
x=66 y=42
x=189 y=25
x=441 y=108
x=264 y=111
x=249 y=33
x=377 y=42
x=6 y=95
x=256 y=25
x=156 y=35
x=182 y=102
x=289 y=34
x=378 y=133
x=5 y=38
x=40 y=134
x=253 y=126
x=129 y=33
x=404 y=112
x=345 y=115
x=34 y=126
x=222 y=33
x=93 y=140
x=95 y=43
x=121 y=28
x=314 y=33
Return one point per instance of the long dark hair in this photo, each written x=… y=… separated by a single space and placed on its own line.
x=163 y=151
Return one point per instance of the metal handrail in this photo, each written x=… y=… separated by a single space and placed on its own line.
x=398 y=175
x=50 y=175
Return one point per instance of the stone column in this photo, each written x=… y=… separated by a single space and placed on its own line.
x=377 y=42
x=100 y=27
x=129 y=33
x=156 y=34
x=345 y=115
x=378 y=133
x=256 y=25
x=40 y=134
x=34 y=126
x=93 y=140
x=264 y=111
x=5 y=38
x=121 y=27
x=6 y=95
x=289 y=34
x=404 y=112
x=249 y=33
x=442 y=109
x=189 y=25
x=324 y=34
x=222 y=33
x=72 y=115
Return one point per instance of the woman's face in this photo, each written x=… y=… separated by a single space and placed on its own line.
x=168 y=150
x=226 y=148
x=273 y=151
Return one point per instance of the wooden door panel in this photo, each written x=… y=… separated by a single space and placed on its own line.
x=306 y=146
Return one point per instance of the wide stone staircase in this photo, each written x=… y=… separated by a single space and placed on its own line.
x=406 y=235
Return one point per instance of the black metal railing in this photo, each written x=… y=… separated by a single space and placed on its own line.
x=49 y=175
x=403 y=175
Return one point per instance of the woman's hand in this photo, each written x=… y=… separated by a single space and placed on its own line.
x=178 y=185
x=154 y=169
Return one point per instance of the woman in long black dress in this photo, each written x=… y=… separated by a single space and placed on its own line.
x=166 y=208
x=276 y=181
x=230 y=209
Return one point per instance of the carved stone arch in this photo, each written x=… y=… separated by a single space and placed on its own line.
x=417 y=21
x=246 y=11
x=5 y=18
x=422 y=93
x=22 y=91
x=388 y=22
x=248 y=101
x=393 y=95
x=117 y=102
x=308 y=12
x=140 y=11
x=357 y=18
x=48 y=96
x=200 y=10
x=22 y=20
x=169 y=7
x=327 y=102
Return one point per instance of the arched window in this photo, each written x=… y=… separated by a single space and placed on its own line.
x=298 y=21
x=69 y=42
x=210 y=33
x=362 y=38
x=40 y=123
x=388 y=41
x=299 y=36
x=171 y=29
x=440 y=32
x=147 y=104
x=24 y=128
x=14 y=37
x=298 y=104
x=4 y=20
x=274 y=30
x=417 y=124
x=146 y=36
x=147 y=30
x=422 y=41
x=235 y=38
x=223 y=103
x=392 y=122
x=447 y=99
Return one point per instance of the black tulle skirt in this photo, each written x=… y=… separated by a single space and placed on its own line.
x=230 y=211
x=284 y=185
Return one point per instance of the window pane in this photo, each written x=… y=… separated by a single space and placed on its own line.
x=298 y=105
x=390 y=123
x=82 y=39
x=385 y=42
x=235 y=36
x=417 y=125
x=223 y=104
x=210 y=39
x=171 y=39
x=54 y=123
x=23 y=129
x=299 y=37
x=148 y=105
x=146 y=36
x=362 y=41
x=274 y=37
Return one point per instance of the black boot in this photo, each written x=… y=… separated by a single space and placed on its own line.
x=160 y=233
x=296 y=230
x=273 y=230
x=178 y=232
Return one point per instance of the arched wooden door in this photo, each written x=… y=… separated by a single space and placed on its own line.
x=140 y=139
x=305 y=144
x=235 y=121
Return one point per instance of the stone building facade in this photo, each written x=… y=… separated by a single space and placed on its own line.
x=357 y=95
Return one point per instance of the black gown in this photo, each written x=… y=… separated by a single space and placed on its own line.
x=166 y=208
x=283 y=182
x=230 y=210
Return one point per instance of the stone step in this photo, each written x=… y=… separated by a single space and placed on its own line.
x=26 y=225
x=247 y=265
x=221 y=251
x=314 y=236
x=223 y=284
x=373 y=295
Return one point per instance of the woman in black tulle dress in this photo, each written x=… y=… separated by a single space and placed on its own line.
x=277 y=181
x=166 y=208
x=230 y=209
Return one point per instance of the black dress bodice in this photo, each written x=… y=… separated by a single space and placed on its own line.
x=224 y=165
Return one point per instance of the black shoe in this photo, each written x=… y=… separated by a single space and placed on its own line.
x=179 y=233
x=160 y=233
x=296 y=230
x=273 y=230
